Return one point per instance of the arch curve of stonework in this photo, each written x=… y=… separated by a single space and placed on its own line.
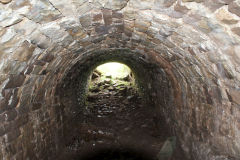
x=194 y=45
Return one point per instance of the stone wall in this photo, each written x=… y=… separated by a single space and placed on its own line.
x=195 y=44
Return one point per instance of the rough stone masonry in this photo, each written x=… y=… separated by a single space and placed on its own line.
x=191 y=49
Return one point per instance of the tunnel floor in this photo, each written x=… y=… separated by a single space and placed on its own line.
x=116 y=125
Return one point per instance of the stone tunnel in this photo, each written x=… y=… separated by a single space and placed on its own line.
x=185 y=55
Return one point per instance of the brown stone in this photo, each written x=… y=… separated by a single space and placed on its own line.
x=2 y=118
x=238 y=124
x=48 y=57
x=1 y=155
x=225 y=17
x=107 y=16
x=236 y=30
x=15 y=81
x=10 y=126
x=19 y=155
x=180 y=8
x=229 y=21
x=36 y=106
x=224 y=129
x=97 y=17
x=10 y=115
x=224 y=70
x=234 y=95
x=120 y=28
x=141 y=26
x=234 y=7
x=207 y=95
x=12 y=148
x=13 y=101
x=24 y=52
x=7 y=94
x=214 y=4
x=85 y=20
x=22 y=120
x=12 y=135
x=102 y=29
x=5 y=1
x=23 y=108
x=3 y=105
x=2 y=130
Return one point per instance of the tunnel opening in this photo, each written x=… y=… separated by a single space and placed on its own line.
x=113 y=70
x=111 y=84
x=115 y=111
x=110 y=79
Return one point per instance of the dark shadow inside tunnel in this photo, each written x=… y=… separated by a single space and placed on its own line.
x=74 y=87
x=116 y=153
x=115 y=112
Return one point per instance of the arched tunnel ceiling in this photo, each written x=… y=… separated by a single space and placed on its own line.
x=195 y=42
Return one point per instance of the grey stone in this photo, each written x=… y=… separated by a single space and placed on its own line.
x=11 y=20
x=10 y=33
x=42 y=11
x=54 y=32
x=163 y=3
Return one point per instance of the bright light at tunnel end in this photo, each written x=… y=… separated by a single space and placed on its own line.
x=114 y=69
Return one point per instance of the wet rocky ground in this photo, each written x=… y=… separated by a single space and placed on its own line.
x=116 y=125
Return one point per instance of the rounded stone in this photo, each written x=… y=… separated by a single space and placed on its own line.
x=5 y=1
x=224 y=16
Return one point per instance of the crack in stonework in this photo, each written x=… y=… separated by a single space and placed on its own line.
x=55 y=8
x=13 y=23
